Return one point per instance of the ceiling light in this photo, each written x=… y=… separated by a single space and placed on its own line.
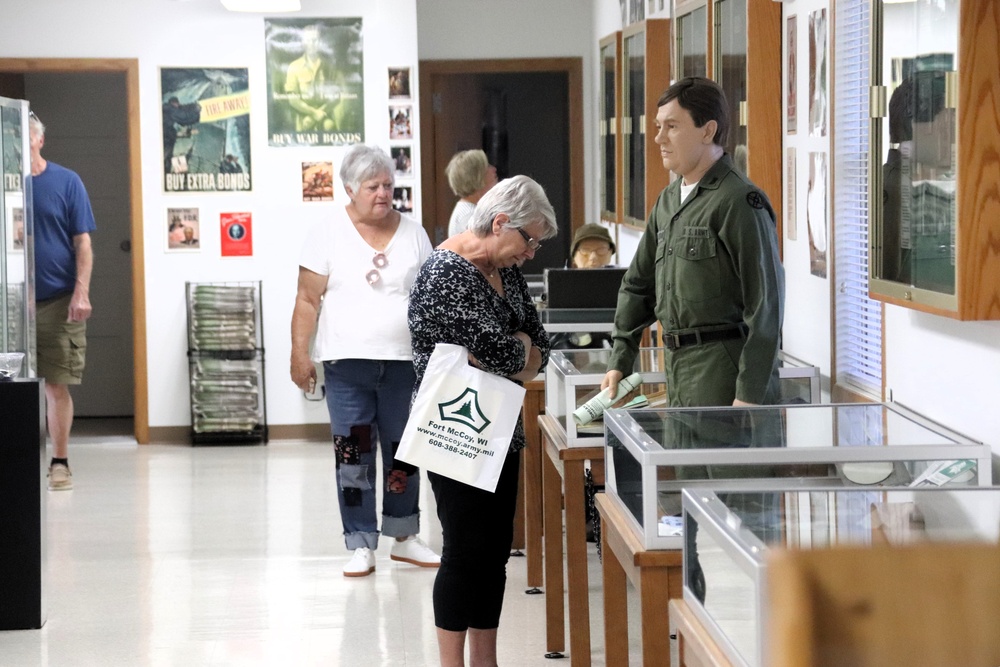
x=263 y=6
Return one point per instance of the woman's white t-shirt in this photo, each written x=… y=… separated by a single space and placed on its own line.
x=460 y=217
x=359 y=320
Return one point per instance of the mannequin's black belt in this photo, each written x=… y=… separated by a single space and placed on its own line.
x=674 y=341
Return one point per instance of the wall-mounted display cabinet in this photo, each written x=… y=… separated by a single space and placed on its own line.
x=645 y=75
x=610 y=127
x=710 y=39
x=934 y=157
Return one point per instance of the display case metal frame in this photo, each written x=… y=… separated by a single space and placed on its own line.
x=624 y=431
x=749 y=554
x=17 y=270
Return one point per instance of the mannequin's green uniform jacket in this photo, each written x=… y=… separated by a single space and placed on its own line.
x=708 y=268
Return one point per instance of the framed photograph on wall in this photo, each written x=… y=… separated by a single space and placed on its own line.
x=315 y=81
x=206 y=129
x=816 y=219
x=791 y=32
x=183 y=230
x=399 y=83
x=403 y=159
x=317 y=181
x=817 y=73
x=402 y=199
x=15 y=230
x=401 y=121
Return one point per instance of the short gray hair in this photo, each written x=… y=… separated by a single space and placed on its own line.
x=466 y=172
x=36 y=124
x=522 y=200
x=363 y=163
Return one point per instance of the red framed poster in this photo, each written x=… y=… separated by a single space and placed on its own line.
x=237 y=234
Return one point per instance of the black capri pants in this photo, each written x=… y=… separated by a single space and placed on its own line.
x=478 y=530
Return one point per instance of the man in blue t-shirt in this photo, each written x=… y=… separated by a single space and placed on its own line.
x=63 y=263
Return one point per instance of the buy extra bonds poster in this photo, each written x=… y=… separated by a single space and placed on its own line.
x=206 y=129
x=237 y=234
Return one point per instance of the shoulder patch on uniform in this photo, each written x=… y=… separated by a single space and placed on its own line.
x=755 y=199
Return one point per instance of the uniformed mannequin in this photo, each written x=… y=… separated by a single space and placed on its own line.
x=707 y=266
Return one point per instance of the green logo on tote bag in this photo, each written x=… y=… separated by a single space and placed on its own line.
x=465 y=410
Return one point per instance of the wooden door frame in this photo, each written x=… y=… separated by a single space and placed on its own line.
x=572 y=67
x=130 y=68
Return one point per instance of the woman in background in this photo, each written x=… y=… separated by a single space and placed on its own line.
x=470 y=176
x=470 y=292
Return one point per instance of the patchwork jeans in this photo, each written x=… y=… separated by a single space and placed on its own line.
x=369 y=401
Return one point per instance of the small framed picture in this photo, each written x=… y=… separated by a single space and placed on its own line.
x=401 y=121
x=15 y=230
x=402 y=199
x=403 y=159
x=317 y=181
x=183 y=230
x=399 y=83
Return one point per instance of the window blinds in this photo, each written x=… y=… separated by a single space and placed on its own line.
x=858 y=319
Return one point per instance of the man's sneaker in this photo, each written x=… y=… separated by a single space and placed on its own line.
x=362 y=563
x=412 y=550
x=60 y=477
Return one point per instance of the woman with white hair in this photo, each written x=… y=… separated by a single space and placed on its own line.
x=360 y=266
x=470 y=176
x=470 y=292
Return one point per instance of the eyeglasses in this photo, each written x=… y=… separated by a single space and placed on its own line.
x=534 y=245
x=380 y=261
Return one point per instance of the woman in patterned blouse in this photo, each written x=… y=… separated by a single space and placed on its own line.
x=470 y=292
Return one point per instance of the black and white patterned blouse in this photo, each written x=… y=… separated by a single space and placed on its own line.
x=452 y=302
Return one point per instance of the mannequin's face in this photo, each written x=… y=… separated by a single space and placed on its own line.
x=592 y=254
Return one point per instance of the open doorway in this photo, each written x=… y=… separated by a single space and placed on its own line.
x=526 y=114
x=90 y=108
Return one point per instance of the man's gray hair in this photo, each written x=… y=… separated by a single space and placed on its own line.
x=37 y=125
x=363 y=163
x=522 y=200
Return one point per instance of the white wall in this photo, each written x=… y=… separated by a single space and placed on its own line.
x=200 y=33
x=806 y=332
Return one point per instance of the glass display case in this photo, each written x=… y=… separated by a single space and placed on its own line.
x=933 y=137
x=730 y=536
x=691 y=38
x=645 y=75
x=610 y=125
x=652 y=454
x=574 y=376
x=17 y=292
x=577 y=319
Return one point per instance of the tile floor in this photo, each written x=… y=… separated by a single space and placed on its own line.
x=179 y=555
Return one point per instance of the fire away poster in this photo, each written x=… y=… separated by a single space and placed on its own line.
x=315 y=91
x=206 y=129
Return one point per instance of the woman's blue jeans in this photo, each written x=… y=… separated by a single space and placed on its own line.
x=369 y=401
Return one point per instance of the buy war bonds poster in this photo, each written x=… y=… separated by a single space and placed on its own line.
x=206 y=129
x=315 y=86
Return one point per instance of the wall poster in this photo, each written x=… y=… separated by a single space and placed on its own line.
x=206 y=129
x=817 y=73
x=237 y=234
x=183 y=230
x=816 y=214
x=317 y=181
x=399 y=83
x=792 y=73
x=315 y=87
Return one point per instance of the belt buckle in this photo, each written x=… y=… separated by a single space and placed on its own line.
x=672 y=341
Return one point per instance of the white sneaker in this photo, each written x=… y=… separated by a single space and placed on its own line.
x=60 y=477
x=362 y=563
x=413 y=550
